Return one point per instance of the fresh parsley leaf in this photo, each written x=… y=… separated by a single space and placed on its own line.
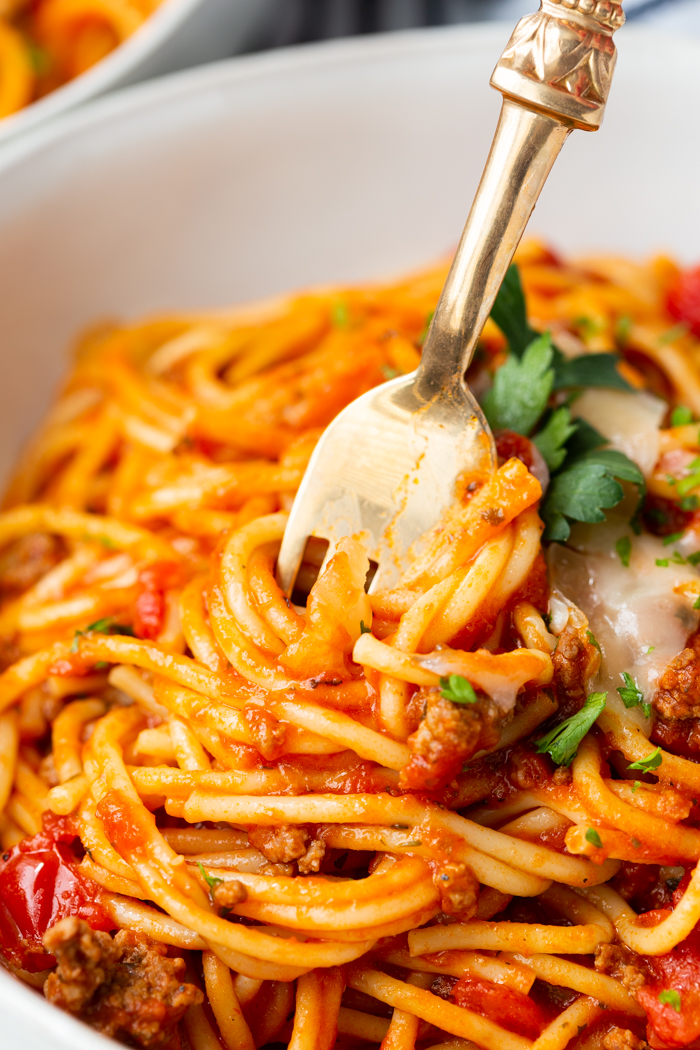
x=340 y=315
x=584 y=439
x=593 y=837
x=588 y=326
x=686 y=484
x=670 y=997
x=624 y=550
x=673 y=538
x=652 y=761
x=681 y=416
x=694 y=558
x=587 y=487
x=662 y=563
x=589 y=370
x=509 y=313
x=364 y=629
x=211 y=880
x=457 y=689
x=552 y=438
x=631 y=695
x=593 y=640
x=104 y=626
x=637 y=784
x=670 y=336
x=521 y=388
x=562 y=742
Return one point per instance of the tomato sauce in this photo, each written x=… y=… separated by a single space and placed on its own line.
x=684 y=299
x=40 y=884
x=150 y=605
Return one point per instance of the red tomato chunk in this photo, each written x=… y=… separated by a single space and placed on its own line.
x=40 y=884
x=511 y=1009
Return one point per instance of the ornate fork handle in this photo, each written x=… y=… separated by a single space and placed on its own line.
x=555 y=76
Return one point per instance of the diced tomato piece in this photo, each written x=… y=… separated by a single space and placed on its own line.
x=684 y=299
x=511 y=1009
x=40 y=884
x=154 y=581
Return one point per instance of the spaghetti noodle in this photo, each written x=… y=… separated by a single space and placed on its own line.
x=46 y=43
x=404 y=818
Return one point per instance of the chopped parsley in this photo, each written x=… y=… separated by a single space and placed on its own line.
x=624 y=550
x=637 y=784
x=562 y=742
x=623 y=329
x=552 y=438
x=631 y=695
x=593 y=837
x=652 y=761
x=586 y=479
x=104 y=626
x=672 y=334
x=662 y=563
x=694 y=558
x=211 y=880
x=689 y=502
x=696 y=603
x=593 y=640
x=364 y=629
x=521 y=388
x=681 y=416
x=672 y=538
x=670 y=997
x=411 y=842
x=388 y=372
x=340 y=315
x=457 y=689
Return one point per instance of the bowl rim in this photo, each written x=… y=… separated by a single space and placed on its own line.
x=110 y=70
x=298 y=59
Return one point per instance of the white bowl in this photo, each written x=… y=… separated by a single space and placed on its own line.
x=179 y=34
x=338 y=162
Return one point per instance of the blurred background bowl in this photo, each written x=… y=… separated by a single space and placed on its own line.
x=179 y=34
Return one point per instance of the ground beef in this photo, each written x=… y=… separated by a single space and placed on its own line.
x=267 y=734
x=289 y=843
x=446 y=738
x=125 y=986
x=574 y=661
x=228 y=894
x=28 y=559
x=678 y=693
x=459 y=889
x=623 y=1039
x=623 y=964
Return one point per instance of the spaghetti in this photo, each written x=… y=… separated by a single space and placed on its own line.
x=46 y=43
x=229 y=819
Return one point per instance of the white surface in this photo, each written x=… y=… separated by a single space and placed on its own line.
x=179 y=34
x=352 y=160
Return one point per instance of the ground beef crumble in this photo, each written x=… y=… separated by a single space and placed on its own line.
x=623 y=1039
x=125 y=986
x=678 y=692
x=28 y=559
x=623 y=964
x=446 y=738
x=575 y=660
x=289 y=843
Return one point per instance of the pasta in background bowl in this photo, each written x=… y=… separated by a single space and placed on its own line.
x=55 y=54
x=169 y=228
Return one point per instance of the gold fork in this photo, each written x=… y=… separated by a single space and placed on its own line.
x=390 y=465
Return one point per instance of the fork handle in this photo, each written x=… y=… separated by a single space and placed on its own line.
x=555 y=75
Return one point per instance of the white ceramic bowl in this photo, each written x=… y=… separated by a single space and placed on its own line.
x=179 y=34
x=340 y=162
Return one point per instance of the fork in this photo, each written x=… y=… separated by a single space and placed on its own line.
x=392 y=463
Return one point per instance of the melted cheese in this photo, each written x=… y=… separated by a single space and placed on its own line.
x=638 y=621
x=630 y=422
